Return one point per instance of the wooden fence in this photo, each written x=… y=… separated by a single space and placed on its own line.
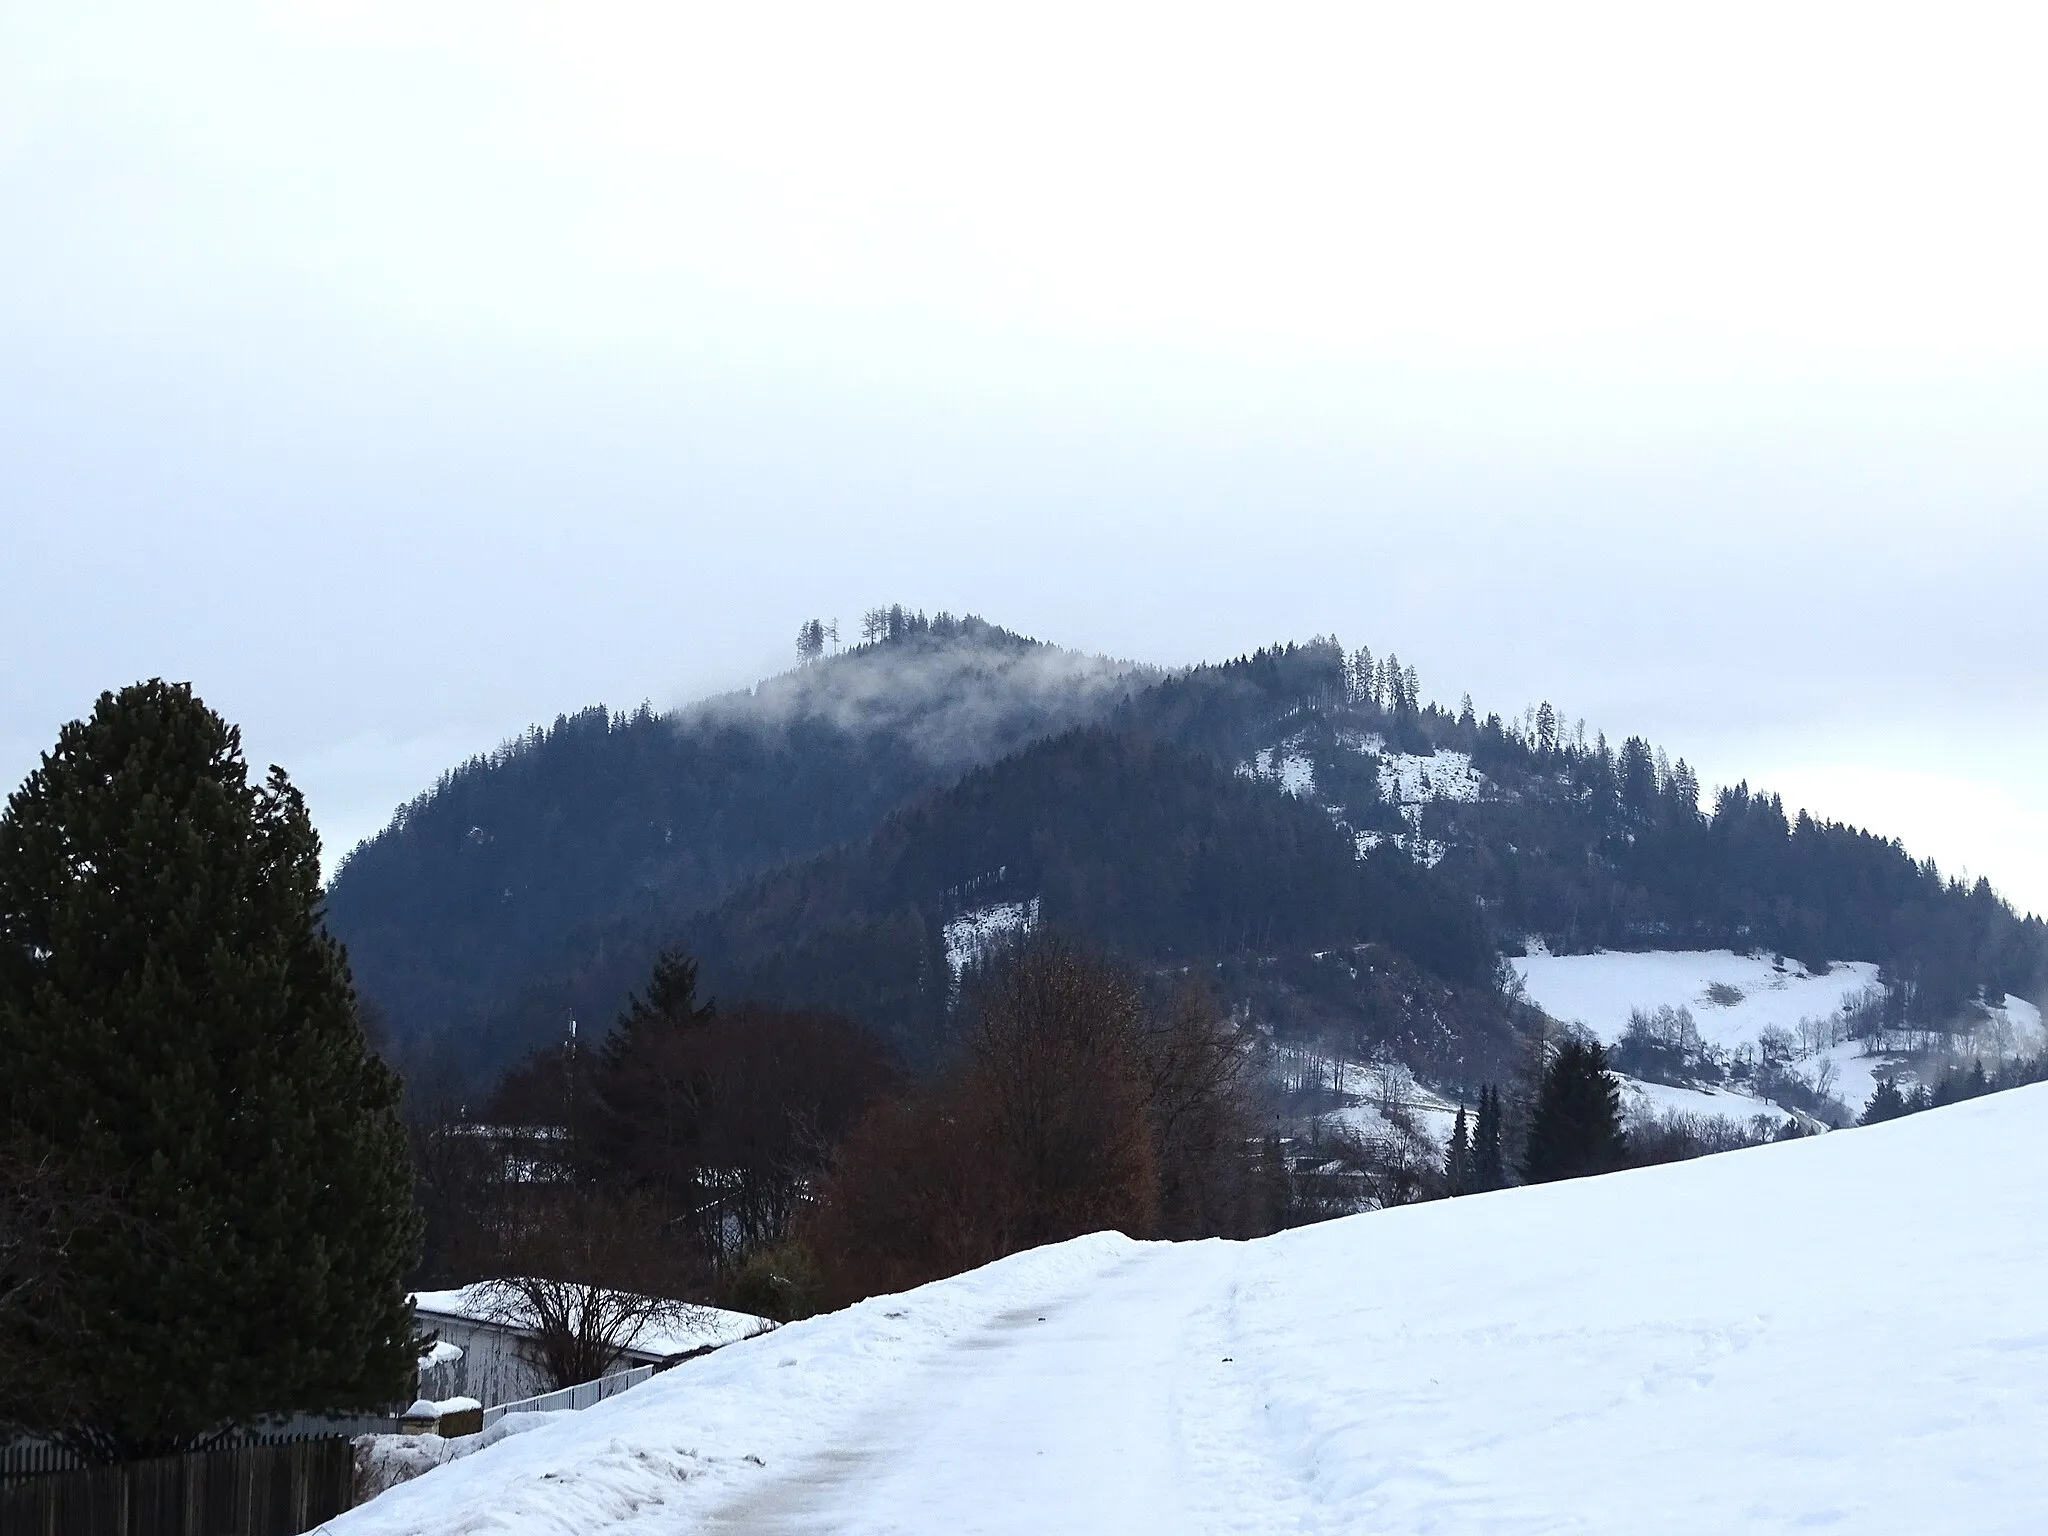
x=242 y=1490
x=32 y=1458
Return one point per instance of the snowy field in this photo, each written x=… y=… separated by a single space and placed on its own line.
x=1599 y=990
x=1638 y=1097
x=1435 y=1115
x=1841 y=1333
x=1733 y=999
x=1409 y=781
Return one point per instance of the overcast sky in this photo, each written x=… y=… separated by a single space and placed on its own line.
x=401 y=374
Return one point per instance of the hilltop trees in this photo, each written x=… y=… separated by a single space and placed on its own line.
x=534 y=884
x=183 y=1044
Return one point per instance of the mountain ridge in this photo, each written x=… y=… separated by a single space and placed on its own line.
x=1507 y=828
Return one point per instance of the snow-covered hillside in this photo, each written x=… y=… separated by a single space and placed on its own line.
x=1733 y=999
x=970 y=936
x=1407 y=782
x=1840 y=1333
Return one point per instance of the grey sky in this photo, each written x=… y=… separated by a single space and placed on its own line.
x=404 y=374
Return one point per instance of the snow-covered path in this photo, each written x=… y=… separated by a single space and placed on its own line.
x=1048 y=1418
x=1842 y=1333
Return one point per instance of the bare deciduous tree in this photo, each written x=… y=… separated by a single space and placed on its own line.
x=579 y=1332
x=1826 y=1077
x=1775 y=1044
x=589 y=1273
x=1057 y=1050
x=1075 y=1108
x=1196 y=1069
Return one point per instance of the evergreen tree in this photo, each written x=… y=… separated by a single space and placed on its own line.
x=1577 y=1127
x=174 y=1018
x=1364 y=679
x=670 y=1004
x=1685 y=790
x=1886 y=1103
x=1458 y=1156
x=1636 y=773
x=645 y=1115
x=1488 y=1165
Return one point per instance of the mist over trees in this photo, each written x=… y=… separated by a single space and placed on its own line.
x=536 y=883
x=939 y=946
x=811 y=839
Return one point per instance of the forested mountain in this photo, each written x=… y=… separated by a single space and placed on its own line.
x=1586 y=845
x=1337 y=854
x=519 y=868
x=1155 y=852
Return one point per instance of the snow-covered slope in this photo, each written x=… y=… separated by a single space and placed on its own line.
x=1841 y=1333
x=972 y=935
x=1733 y=997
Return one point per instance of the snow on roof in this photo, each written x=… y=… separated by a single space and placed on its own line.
x=693 y=1327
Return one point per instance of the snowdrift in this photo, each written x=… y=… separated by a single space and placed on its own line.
x=1841 y=1333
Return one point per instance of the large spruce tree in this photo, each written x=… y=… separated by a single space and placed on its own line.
x=1886 y=1103
x=1577 y=1126
x=1458 y=1157
x=181 y=1033
x=1487 y=1166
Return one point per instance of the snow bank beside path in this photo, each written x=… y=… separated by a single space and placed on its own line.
x=1836 y=1333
